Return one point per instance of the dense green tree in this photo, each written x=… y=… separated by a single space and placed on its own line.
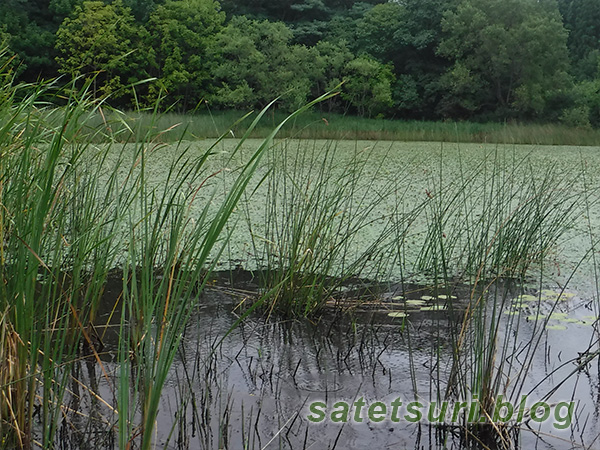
x=32 y=25
x=309 y=20
x=368 y=86
x=342 y=27
x=582 y=20
x=433 y=58
x=255 y=62
x=382 y=31
x=99 y=40
x=406 y=34
x=510 y=57
x=418 y=89
x=585 y=108
x=142 y=9
x=334 y=59
x=182 y=34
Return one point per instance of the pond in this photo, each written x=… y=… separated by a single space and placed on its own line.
x=253 y=389
x=432 y=322
x=396 y=181
x=299 y=294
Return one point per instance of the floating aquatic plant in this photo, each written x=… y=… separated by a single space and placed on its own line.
x=415 y=302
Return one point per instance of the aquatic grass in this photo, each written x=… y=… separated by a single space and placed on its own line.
x=319 y=205
x=492 y=229
x=497 y=219
x=170 y=253
x=205 y=124
x=54 y=258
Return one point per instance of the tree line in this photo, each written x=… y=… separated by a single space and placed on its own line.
x=418 y=59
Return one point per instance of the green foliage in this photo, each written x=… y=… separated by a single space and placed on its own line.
x=342 y=28
x=456 y=59
x=33 y=25
x=582 y=20
x=511 y=53
x=181 y=36
x=382 y=31
x=142 y=9
x=334 y=59
x=498 y=220
x=98 y=41
x=255 y=62
x=406 y=35
x=368 y=86
x=585 y=110
x=310 y=20
x=62 y=8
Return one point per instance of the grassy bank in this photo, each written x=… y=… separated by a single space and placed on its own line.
x=317 y=125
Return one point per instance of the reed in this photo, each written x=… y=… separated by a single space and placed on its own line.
x=203 y=124
x=167 y=238
x=322 y=234
x=493 y=229
x=55 y=253
x=70 y=211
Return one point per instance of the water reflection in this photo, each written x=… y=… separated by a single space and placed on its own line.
x=252 y=390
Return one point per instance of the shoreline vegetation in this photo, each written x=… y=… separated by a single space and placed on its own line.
x=318 y=125
x=521 y=60
x=72 y=210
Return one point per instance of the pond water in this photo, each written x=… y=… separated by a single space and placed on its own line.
x=252 y=390
x=418 y=172
x=250 y=386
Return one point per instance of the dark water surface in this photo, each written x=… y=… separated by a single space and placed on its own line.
x=253 y=389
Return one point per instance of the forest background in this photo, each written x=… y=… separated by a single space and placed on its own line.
x=477 y=60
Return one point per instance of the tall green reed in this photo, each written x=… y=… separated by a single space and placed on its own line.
x=69 y=212
x=328 y=225
x=172 y=247
x=55 y=254
x=492 y=230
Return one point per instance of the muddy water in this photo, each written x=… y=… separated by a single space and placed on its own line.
x=253 y=389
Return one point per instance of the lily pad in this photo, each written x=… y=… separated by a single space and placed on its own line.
x=526 y=298
x=556 y=327
x=536 y=317
x=397 y=314
x=558 y=315
x=520 y=306
x=415 y=302
x=427 y=297
x=398 y=297
x=445 y=297
x=549 y=293
x=433 y=308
